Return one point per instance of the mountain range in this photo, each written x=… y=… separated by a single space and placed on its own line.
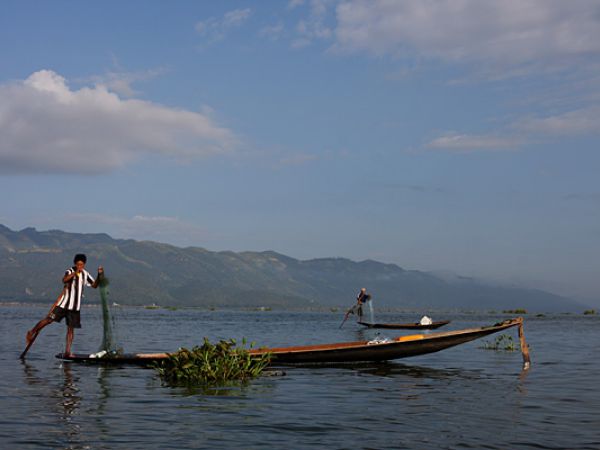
x=32 y=263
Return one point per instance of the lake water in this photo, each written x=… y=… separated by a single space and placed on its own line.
x=464 y=397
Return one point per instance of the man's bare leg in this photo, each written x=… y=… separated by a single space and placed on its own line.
x=37 y=328
x=33 y=334
x=70 y=334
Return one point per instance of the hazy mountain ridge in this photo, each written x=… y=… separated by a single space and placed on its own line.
x=143 y=272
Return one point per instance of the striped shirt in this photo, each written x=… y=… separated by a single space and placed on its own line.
x=71 y=298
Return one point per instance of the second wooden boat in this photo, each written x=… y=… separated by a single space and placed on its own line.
x=406 y=326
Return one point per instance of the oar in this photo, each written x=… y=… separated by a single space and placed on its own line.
x=350 y=311
x=35 y=335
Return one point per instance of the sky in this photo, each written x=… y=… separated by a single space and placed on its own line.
x=453 y=136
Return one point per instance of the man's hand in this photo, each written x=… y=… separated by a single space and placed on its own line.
x=100 y=269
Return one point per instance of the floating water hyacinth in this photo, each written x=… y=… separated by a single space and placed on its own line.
x=211 y=364
x=515 y=311
x=503 y=342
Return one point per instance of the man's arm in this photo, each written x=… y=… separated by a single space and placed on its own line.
x=69 y=276
x=99 y=277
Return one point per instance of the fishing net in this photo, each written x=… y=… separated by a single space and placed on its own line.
x=109 y=341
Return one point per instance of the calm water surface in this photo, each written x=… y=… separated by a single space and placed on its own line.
x=464 y=397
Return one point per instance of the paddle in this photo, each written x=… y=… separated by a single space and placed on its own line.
x=35 y=335
x=350 y=311
x=346 y=317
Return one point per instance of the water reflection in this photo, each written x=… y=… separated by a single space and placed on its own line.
x=70 y=401
x=391 y=369
x=31 y=378
x=521 y=386
x=104 y=387
x=102 y=426
x=62 y=401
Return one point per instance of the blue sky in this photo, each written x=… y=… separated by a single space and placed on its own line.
x=449 y=136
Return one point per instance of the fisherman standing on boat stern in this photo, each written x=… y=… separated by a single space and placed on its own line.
x=361 y=299
x=68 y=303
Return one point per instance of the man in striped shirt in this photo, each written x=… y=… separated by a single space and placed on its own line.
x=69 y=303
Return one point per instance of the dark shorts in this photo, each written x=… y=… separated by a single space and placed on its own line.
x=73 y=317
x=357 y=309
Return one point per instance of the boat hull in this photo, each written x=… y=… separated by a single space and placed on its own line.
x=344 y=352
x=406 y=326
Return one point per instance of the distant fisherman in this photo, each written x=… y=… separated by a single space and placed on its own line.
x=361 y=299
x=68 y=303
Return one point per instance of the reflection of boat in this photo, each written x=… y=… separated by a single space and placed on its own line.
x=406 y=326
x=378 y=350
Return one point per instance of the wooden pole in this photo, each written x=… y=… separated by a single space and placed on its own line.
x=524 y=346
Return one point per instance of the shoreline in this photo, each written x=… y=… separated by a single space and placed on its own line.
x=338 y=310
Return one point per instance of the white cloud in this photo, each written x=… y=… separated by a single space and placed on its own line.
x=571 y=123
x=48 y=128
x=314 y=27
x=295 y=3
x=121 y=82
x=497 y=34
x=236 y=17
x=272 y=32
x=142 y=227
x=472 y=143
x=215 y=29
x=527 y=130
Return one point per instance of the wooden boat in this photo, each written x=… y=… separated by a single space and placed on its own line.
x=345 y=352
x=406 y=326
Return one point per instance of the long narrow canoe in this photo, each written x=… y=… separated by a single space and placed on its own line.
x=406 y=326
x=344 y=352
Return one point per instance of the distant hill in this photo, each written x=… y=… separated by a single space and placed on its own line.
x=143 y=272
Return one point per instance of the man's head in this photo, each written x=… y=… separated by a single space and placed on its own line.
x=79 y=261
x=363 y=290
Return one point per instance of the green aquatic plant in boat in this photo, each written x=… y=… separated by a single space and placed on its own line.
x=211 y=364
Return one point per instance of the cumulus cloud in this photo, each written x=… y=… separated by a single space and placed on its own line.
x=47 y=127
x=501 y=34
x=121 y=82
x=215 y=29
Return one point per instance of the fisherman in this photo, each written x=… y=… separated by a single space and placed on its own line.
x=68 y=303
x=361 y=299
